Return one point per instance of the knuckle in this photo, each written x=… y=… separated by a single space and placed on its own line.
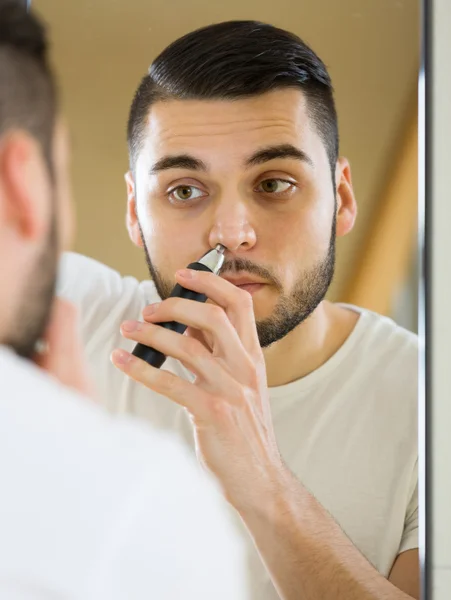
x=251 y=369
x=168 y=384
x=219 y=408
x=137 y=367
x=243 y=396
x=217 y=314
x=245 y=298
x=192 y=347
x=253 y=377
x=150 y=332
x=170 y=303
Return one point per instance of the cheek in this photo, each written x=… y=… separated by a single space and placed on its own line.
x=174 y=237
x=316 y=222
x=172 y=243
x=302 y=240
x=305 y=233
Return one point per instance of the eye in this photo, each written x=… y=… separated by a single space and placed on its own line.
x=275 y=186
x=184 y=193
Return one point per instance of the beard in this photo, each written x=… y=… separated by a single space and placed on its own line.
x=34 y=309
x=291 y=309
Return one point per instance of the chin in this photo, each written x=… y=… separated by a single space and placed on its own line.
x=263 y=310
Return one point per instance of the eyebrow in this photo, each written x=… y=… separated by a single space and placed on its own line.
x=280 y=151
x=180 y=161
x=186 y=161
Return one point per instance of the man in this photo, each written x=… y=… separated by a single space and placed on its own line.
x=91 y=507
x=304 y=410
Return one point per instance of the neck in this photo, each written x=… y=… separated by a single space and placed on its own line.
x=6 y=318
x=309 y=345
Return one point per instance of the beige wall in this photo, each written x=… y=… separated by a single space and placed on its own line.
x=102 y=48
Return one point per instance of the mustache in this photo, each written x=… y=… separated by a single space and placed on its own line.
x=238 y=265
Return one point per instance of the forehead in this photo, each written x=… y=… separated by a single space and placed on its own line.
x=229 y=127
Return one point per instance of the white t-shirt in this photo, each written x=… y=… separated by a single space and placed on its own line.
x=96 y=507
x=348 y=430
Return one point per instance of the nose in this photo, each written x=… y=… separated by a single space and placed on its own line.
x=232 y=227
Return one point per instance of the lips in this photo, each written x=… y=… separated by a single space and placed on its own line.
x=246 y=283
x=251 y=287
x=243 y=280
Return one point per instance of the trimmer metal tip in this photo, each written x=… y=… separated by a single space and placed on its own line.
x=213 y=259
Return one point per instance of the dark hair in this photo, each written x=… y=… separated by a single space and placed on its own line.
x=231 y=60
x=28 y=98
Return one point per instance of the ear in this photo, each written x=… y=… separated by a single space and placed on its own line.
x=346 y=204
x=25 y=191
x=132 y=217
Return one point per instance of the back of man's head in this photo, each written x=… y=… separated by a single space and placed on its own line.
x=27 y=90
x=33 y=212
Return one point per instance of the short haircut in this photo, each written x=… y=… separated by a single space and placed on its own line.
x=232 y=60
x=28 y=97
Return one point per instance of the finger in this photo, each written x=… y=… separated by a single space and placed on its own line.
x=236 y=302
x=211 y=320
x=200 y=337
x=191 y=353
x=180 y=391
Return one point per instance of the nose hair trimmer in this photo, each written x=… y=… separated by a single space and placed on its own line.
x=212 y=261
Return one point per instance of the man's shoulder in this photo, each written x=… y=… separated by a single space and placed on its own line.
x=83 y=440
x=85 y=278
x=384 y=334
x=102 y=295
x=384 y=358
x=40 y=405
x=88 y=479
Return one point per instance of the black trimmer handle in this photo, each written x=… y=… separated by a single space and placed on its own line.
x=153 y=357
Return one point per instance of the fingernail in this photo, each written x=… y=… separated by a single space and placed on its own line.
x=186 y=273
x=130 y=326
x=121 y=357
x=149 y=310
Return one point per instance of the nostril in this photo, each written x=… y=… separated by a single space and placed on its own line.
x=233 y=236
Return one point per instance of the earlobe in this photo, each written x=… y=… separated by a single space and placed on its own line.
x=346 y=204
x=132 y=216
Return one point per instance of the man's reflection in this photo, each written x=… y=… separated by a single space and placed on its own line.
x=304 y=410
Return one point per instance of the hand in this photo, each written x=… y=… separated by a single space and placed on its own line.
x=228 y=401
x=63 y=356
x=303 y=548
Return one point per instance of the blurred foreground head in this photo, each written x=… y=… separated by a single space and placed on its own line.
x=35 y=204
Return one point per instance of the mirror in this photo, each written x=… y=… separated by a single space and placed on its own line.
x=360 y=464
